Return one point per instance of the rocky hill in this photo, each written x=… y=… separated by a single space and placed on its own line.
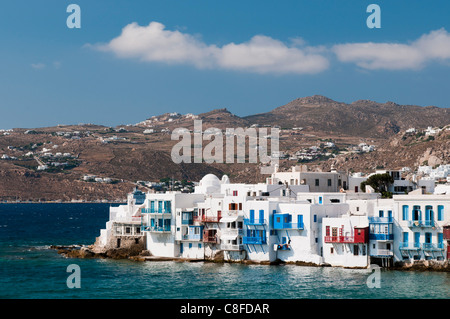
x=361 y=118
x=52 y=163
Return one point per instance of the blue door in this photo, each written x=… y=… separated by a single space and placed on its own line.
x=181 y=248
x=261 y=216
x=405 y=239
x=427 y=238
x=416 y=239
x=300 y=221
x=252 y=216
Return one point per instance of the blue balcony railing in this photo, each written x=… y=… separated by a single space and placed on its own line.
x=187 y=221
x=155 y=211
x=155 y=228
x=421 y=223
x=381 y=236
x=409 y=246
x=254 y=222
x=254 y=240
x=427 y=246
x=193 y=237
x=381 y=220
x=288 y=226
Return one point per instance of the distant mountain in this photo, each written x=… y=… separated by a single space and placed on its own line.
x=362 y=118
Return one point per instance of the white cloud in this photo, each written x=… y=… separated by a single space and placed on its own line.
x=38 y=66
x=434 y=46
x=261 y=54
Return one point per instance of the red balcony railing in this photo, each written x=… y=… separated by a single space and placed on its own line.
x=447 y=233
x=208 y=218
x=344 y=239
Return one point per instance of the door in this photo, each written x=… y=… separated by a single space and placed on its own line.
x=261 y=216
x=405 y=239
x=181 y=248
x=427 y=238
x=252 y=216
x=416 y=239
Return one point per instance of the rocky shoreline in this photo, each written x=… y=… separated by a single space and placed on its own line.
x=138 y=253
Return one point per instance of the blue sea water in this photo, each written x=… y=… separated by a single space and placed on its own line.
x=29 y=269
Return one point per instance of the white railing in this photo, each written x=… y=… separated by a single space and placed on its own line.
x=231 y=232
x=384 y=252
x=231 y=247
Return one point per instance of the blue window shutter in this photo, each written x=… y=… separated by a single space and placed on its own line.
x=261 y=216
x=300 y=220
x=440 y=212
x=380 y=213
x=405 y=237
x=252 y=215
x=405 y=212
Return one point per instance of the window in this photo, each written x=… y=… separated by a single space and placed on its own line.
x=317 y=240
x=199 y=245
x=327 y=231
x=329 y=182
x=334 y=231
x=440 y=210
x=235 y=193
x=128 y=230
x=315 y=218
x=320 y=199
x=416 y=213
x=138 y=230
x=331 y=250
x=317 y=182
x=380 y=213
x=190 y=245
x=405 y=210
x=355 y=250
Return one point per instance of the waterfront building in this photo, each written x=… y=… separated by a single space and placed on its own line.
x=269 y=222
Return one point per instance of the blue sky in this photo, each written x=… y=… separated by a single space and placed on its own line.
x=50 y=74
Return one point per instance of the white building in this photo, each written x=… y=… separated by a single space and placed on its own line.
x=282 y=222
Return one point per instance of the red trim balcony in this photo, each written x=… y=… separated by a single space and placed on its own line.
x=344 y=240
x=208 y=218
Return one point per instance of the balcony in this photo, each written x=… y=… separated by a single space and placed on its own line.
x=381 y=220
x=254 y=240
x=254 y=222
x=231 y=232
x=382 y=253
x=186 y=221
x=421 y=223
x=433 y=247
x=208 y=218
x=409 y=246
x=156 y=229
x=289 y=226
x=155 y=211
x=381 y=237
x=231 y=247
x=192 y=237
x=344 y=240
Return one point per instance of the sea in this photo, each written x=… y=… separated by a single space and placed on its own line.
x=31 y=270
